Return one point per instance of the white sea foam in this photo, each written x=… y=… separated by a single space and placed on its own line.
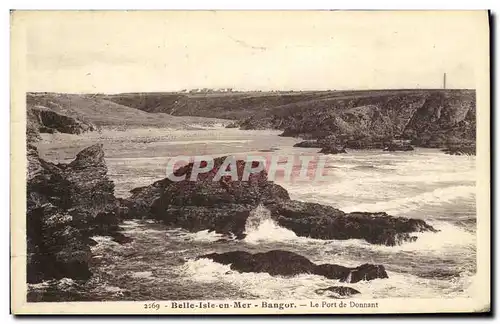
x=200 y=236
x=303 y=286
x=260 y=227
x=434 y=198
x=103 y=239
x=112 y=289
x=205 y=236
x=141 y=274
x=449 y=237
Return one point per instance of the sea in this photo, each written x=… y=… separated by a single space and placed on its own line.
x=161 y=262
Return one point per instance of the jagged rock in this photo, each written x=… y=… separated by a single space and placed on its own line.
x=351 y=275
x=66 y=204
x=285 y=263
x=223 y=219
x=225 y=205
x=221 y=205
x=325 y=222
x=365 y=120
x=139 y=203
x=276 y=263
x=338 y=291
x=56 y=249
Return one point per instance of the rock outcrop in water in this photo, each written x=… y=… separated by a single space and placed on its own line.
x=284 y=263
x=66 y=205
x=325 y=222
x=224 y=206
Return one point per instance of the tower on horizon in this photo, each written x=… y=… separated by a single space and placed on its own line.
x=444 y=81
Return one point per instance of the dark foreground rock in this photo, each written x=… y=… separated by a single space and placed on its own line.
x=325 y=222
x=224 y=206
x=337 y=291
x=284 y=263
x=66 y=205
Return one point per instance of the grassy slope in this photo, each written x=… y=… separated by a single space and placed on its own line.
x=105 y=113
x=219 y=105
x=240 y=105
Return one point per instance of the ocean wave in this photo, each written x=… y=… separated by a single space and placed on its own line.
x=304 y=286
x=269 y=231
x=449 y=237
x=141 y=274
x=204 y=236
x=259 y=284
x=434 y=198
x=260 y=227
x=363 y=186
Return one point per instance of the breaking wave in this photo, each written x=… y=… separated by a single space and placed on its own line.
x=304 y=286
x=260 y=227
x=434 y=198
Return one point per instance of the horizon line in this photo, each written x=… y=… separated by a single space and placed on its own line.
x=218 y=91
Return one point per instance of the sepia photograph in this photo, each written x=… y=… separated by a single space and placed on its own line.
x=250 y=162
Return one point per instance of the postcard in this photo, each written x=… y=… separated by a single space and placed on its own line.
x=250 y=162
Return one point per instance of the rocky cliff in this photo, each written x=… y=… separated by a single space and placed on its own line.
x=45 y=120
x=67 y=204
x=354 y=119
x=428 y=118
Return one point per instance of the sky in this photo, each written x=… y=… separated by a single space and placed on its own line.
x=120 y=51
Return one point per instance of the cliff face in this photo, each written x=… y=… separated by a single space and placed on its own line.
x=41 y=119
x=66 y=205
x=357 y=119
x=429 y=118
